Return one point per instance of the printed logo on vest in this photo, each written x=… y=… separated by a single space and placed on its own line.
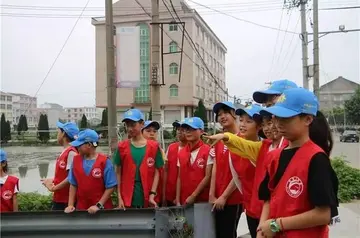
x=62 y=164
x=7 y=195
x=200 y=163
x=96 y=173
x=294 y=187
x=150 y=162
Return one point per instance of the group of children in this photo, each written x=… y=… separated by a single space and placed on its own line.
x=283 y=180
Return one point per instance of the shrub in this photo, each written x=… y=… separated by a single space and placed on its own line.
x=349 y=179
x=29 y=202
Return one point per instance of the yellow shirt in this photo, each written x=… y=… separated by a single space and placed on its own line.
x=245 y=148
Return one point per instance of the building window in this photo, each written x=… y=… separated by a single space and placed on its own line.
x=2 y=98
x=2 y=106
x=8 y=98
x=142 y=93
x=174 y=90
x=173 y=27
x=173 y=68
x=173 y=47
x=9 y=107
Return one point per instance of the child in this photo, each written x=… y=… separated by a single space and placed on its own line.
x=226 y=199
x=59 y=185
x=137 y=161
x=150 y=130
x=171 y=169
x=9 y=187
x=92 y=177
x=268 y=97
x=300 y=185
x=194 y=165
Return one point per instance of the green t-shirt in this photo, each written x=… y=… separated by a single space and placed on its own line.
x=138 y=154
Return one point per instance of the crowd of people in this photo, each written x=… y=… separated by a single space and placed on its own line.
x=270 y=163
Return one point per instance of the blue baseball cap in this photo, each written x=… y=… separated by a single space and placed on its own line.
x=194 y=122
x=220 y=105
x=70 y=128
x=154 y=124
x=133 y=115
x=293 y=102
x=276 y=88
x=3 y=156
x=86 y=136
x=251 y=110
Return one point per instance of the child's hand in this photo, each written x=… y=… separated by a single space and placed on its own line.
x=264 y=229
x=212 y=199
x=152 y=200
x=93 y=209
x=219 y=203
x=69 y=209
x=47 y=181
x=121 y=204
x=190 y=200
x=215 y=138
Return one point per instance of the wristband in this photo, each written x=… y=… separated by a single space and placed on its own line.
x=152 y=193
x=100 y=206
x=274 y=227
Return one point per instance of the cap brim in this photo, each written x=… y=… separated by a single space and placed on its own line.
x=154 y=124
x=130 y=119
x=261 y=96
x=176 y=124
x=241 y=111
x=60 y=125
x=279 y=112
x=220 y=105
x=77 y=143
x=185 y=124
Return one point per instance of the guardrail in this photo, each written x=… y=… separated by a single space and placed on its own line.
x=132 y=223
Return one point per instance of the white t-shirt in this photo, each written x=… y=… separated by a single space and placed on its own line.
x=3 y=180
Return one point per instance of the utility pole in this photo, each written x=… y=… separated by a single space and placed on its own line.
x=316 y=48
x=214 y=126
x=304 y=39
x=155 y=59
x=110 y=73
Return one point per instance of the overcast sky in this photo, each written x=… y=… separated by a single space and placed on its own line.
x=31 y=38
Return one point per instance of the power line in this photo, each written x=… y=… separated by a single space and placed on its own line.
x=339 y=8
x=189 y=39
x=243 y=20
x=60 y=52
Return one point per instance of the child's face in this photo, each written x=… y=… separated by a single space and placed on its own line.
x=271 y=100
x=225 y=118
x=267 y=126
x=150 y=133
x=85 y=149
x=180 y=134
x=293 y=128
x=60 y=136
x=191 y=134
x=133 y=128
x=248 y=127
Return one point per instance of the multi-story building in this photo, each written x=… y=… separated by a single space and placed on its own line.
x=75 y=114
x=54 y=112
x=6 y=106
x=25 y=105
x=336 y=92
x=178 y=99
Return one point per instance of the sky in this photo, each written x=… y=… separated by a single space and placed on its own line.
x=33 y=33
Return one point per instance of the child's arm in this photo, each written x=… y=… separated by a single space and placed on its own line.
x=117 y=162
x=72 y=191
x=164 y=182
x=178 y=186
x=212 y=196
x=110 y=182
x=229 y=189
x=265 y=212
x=15 y=203
x=72 y=194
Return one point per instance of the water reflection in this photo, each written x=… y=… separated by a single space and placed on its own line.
x=22 y=171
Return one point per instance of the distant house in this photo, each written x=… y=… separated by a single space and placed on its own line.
x=336 y=92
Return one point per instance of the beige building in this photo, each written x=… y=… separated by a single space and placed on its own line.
x=6 y=106
x=178 y=99
x=74 y=114
x=25 y=105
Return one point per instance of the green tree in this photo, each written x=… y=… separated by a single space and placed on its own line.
x=352 y=108
x=201 y=112
x=335 y=116
x=104 y=117
x=22 y=125
x=43 y=128
x=8 y=131
x=150 y=114
x=83 y=122
x=3 y=127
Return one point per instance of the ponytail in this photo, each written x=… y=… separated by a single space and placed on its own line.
x=320 y=133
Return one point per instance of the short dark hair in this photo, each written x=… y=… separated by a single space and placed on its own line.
x=5 y=168
x=68 y=138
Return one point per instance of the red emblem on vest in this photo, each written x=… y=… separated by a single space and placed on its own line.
x=7 y=195
x=96 y=173
x=200 y=163
x=150 y=162
x=62 y=164
x=294 y=187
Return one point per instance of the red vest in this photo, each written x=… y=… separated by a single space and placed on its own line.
x=172 y=171
x=290 y=197
x=246 y=172
x=128 y=169
x=62 y=195
x=90 y=188
x=192 y=174
x=223 y=174
x=7 y=193
x=256 y=205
